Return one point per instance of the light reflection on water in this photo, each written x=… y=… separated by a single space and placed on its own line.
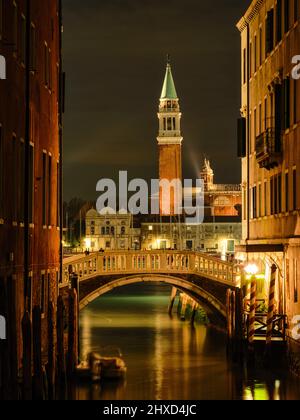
x=166 y=358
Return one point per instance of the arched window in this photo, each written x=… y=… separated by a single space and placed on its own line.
x=169 y=124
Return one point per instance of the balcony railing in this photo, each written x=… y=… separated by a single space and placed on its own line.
x=268 y=149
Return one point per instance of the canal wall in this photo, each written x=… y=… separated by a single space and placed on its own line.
x=293 y=356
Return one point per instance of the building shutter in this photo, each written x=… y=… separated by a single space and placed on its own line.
x=270 y=31
x=278 y=117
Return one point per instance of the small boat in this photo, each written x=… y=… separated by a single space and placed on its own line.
x=113 y=368
x=98 y=367
x=112 y=363
x=90 y=370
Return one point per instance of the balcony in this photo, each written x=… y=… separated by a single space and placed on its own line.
x=268 y=149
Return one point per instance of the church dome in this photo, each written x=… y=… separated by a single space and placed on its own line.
x=92 y=213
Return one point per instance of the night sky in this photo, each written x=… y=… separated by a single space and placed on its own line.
x=115 y=57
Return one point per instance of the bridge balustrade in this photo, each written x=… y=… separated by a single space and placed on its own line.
x=164 y=262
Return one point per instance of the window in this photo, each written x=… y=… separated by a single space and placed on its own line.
x=57 y=194
x=255 y=53
x=272 y=196
x=259 y=201
x=254 y=202
x=250 y=59
x=260 y=119
x=22 y=171
x=296 y=281
x=295 y=93
x=49 y=190
x=270 y=32
x=1 y=18
x=275 y=195
x=296 y=10
x=31 y=183
x=295 y=189
x=287 y=195
x=23 y=40
x=15 y=167
x=287 y=97
x=265 y=198
x=44 y=192
x=286 y=15
x=279 y=21
x=1 y=172
x=43 y=294
x=15 y=27
x=28 y=294
x=32 y=47
x=266 y=114
x=244 y=65
x=92 y=230
x=169 y=124
x=279 y=193
x=47 y=66
x=260 y=46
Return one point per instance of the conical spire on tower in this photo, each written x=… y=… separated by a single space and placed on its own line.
x=168 y=90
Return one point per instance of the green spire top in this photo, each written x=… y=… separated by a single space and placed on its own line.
x=169 y=90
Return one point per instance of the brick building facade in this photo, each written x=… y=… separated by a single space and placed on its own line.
x=30 y=166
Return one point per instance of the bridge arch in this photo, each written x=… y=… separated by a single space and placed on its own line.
x=212 y=305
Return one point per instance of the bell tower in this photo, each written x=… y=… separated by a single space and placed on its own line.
x=169 y=141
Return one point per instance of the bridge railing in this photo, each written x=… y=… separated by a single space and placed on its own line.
x=164 y=262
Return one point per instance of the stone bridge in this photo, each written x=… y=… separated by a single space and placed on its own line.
x=206 y=279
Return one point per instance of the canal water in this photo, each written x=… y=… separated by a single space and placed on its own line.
x=166 y=358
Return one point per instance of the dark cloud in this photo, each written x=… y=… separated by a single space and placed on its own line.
x=114 y=52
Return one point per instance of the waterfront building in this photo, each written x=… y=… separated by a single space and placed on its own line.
x=110 y=232
x=269 y=133
x=30 y=171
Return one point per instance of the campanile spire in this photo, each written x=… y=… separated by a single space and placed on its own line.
x=169 y=137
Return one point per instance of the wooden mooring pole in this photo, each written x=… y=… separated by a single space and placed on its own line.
x=172 y=300
x=73 y=332
x=61 y=362
x=27 y=357
x=38 y=390
x=51 y=353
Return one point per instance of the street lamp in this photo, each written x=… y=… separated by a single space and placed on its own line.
x=252 y=269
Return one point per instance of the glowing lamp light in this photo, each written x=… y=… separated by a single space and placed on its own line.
x=87 y=242
x=251 y=269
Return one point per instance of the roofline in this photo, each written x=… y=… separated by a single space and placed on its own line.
x=250 y=14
